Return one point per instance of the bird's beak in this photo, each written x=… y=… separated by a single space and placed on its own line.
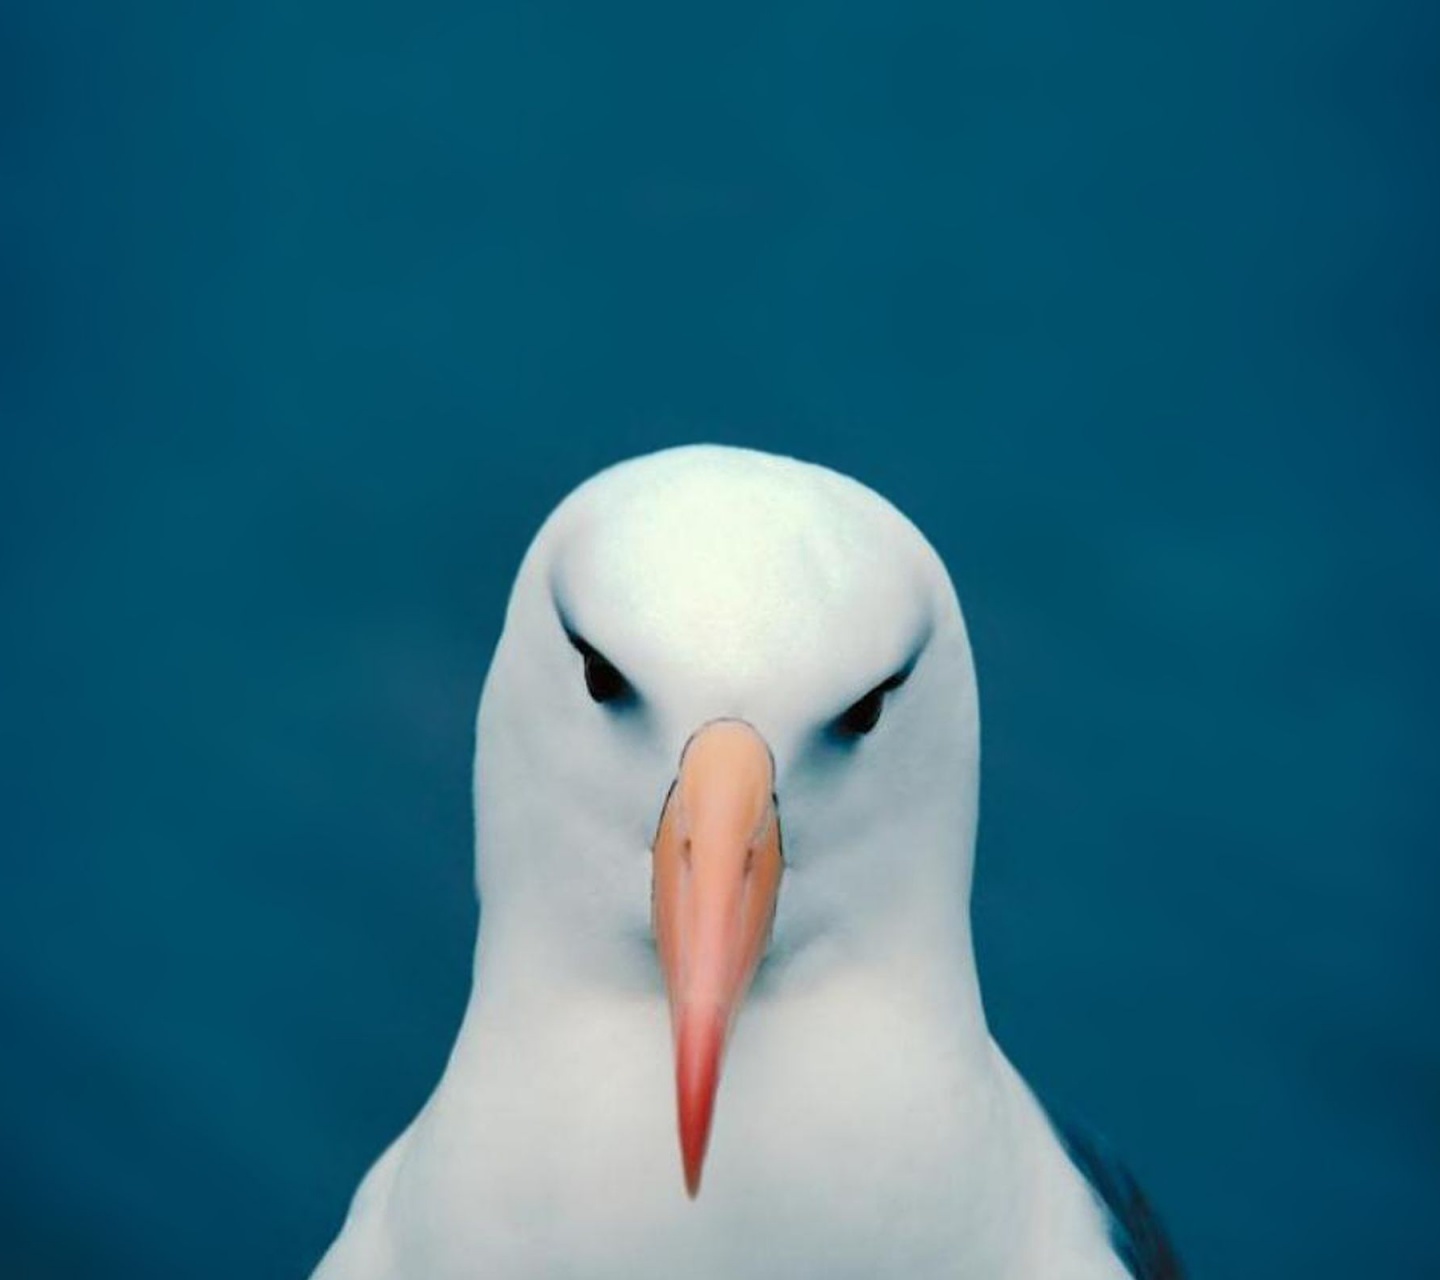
x=717 y=876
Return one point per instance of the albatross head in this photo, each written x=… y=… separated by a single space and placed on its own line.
x=729 y=740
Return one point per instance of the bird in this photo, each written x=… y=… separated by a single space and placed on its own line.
x=725 y=1021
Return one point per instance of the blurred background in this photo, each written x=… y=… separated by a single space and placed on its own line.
x=309 y=313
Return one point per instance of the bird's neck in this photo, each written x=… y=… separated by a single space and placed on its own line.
x=924 y=961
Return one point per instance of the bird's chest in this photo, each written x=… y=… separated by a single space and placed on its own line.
x=837 y=1158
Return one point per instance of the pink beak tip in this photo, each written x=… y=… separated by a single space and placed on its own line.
x=697 y=1080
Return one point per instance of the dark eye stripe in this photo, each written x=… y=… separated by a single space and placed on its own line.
x=603 y=680
x=863 y=714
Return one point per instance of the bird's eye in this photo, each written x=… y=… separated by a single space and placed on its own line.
x=860 y=717
x=864 y=714
x=603 y=680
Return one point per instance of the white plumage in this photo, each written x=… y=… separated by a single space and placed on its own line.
x=867 y=1125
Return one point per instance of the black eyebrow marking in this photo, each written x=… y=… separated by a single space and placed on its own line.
x=857 y=719
x=577 y=642
x=892 y=682
x=606 y=683
x=900 y=674
x=581 y=645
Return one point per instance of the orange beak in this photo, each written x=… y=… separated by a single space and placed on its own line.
x=717 y=876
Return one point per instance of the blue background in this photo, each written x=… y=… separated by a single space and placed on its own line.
x=312 y=311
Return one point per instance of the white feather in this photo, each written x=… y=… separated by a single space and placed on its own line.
x=867 y=1124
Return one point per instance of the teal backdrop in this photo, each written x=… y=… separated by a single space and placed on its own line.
x=310 y=311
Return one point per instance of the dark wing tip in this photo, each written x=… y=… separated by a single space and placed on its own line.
x=1139 y=1236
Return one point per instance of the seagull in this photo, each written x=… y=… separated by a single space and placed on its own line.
x=725 y=1021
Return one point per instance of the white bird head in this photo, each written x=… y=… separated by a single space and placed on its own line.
x=729 y=739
